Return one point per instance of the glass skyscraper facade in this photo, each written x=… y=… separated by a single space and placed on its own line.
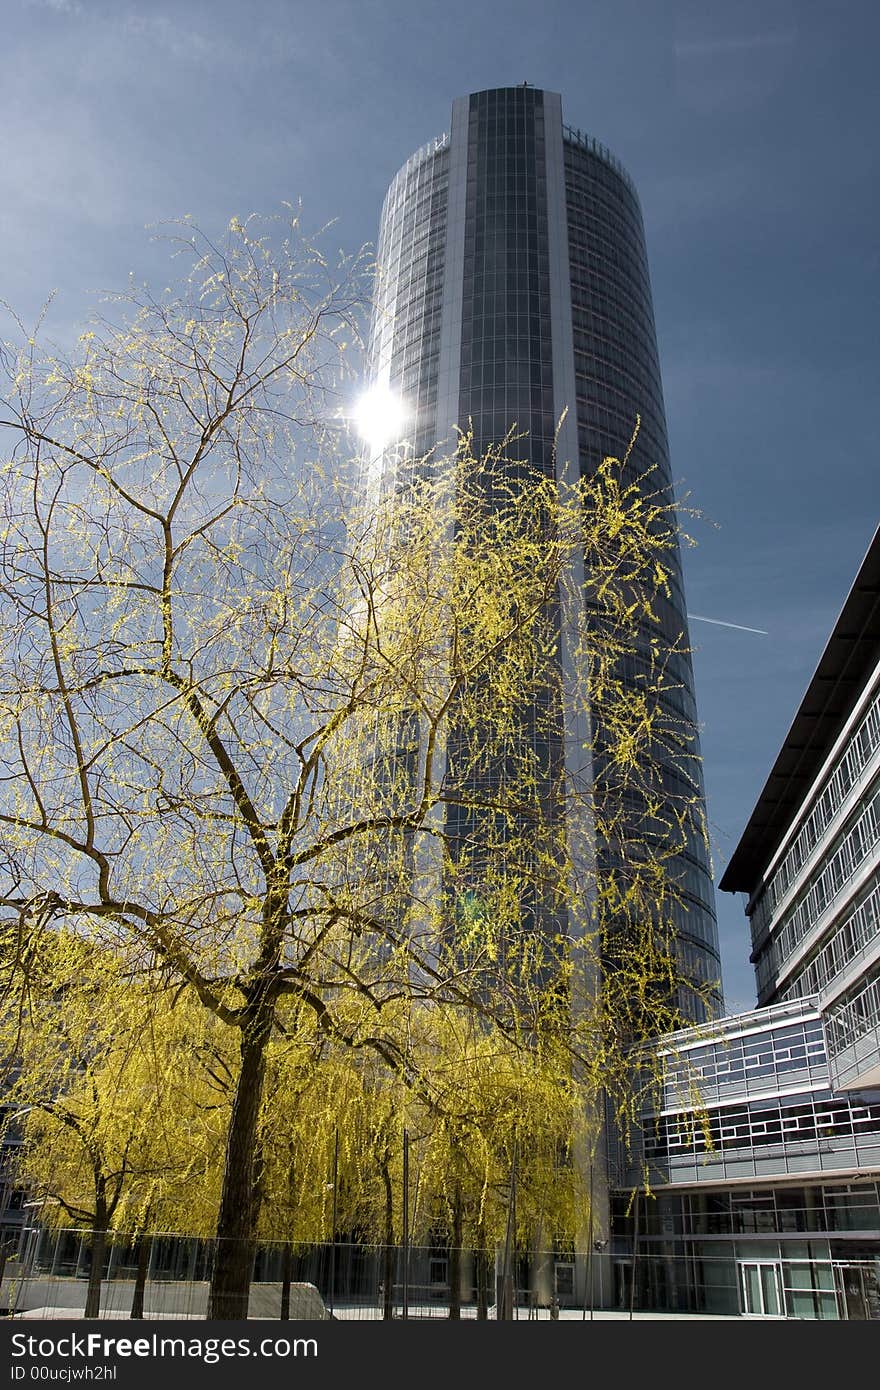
x=513 y=290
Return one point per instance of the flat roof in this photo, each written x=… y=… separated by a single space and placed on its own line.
x=844 y=667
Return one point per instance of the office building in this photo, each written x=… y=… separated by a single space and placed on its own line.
x=763 y=1145
x=513 y=290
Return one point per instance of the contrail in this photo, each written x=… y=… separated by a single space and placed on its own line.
x=698 y=618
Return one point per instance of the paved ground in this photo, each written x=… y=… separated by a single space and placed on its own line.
x=433 y=1314
x=417 y=1315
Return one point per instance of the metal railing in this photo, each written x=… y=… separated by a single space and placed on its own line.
x=638 y=1277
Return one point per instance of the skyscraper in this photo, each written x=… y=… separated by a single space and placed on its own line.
x=513 y=289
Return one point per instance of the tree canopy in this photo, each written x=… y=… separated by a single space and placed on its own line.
x=285 y=741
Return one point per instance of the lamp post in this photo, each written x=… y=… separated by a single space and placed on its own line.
x=635 y=1256
x=334 y=1185
x=588 y=1274
x=405 y=1231
x=599 y=1246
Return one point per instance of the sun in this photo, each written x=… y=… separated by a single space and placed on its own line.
x=380 y=417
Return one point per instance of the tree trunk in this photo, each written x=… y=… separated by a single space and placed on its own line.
x=286 y=1274
x=231 y=1277
x=143 y=1246
x=455 y=1256
x=389 y=1254
x=481 y=1261
x=96 y=1268
x=6 y=1249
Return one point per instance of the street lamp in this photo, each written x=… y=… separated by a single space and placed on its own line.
x=599 y=1246
x=335 y=1187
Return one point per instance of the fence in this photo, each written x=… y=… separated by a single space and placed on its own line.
x=168 y=1276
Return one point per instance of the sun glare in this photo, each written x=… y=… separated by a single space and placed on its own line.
x=380 y=417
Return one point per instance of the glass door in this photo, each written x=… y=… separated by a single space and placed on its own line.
x=858 y=1291
x=759 y=1283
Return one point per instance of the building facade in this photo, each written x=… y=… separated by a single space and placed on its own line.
x=763 y=1145
x=513 y=291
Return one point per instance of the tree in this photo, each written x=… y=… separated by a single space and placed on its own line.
x=494 y=1110
x=251 y=717
x=83 y=1086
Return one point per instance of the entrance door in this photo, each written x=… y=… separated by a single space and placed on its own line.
x=759 y=1282
x=622 y=1283
x=563 y=1278
x=858 y=1292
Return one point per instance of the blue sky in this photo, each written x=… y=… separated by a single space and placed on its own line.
x=751 y=130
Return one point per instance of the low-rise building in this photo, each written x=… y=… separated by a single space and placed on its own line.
x=761 y=1147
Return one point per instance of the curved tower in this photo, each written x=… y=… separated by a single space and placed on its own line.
x=513 y=286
